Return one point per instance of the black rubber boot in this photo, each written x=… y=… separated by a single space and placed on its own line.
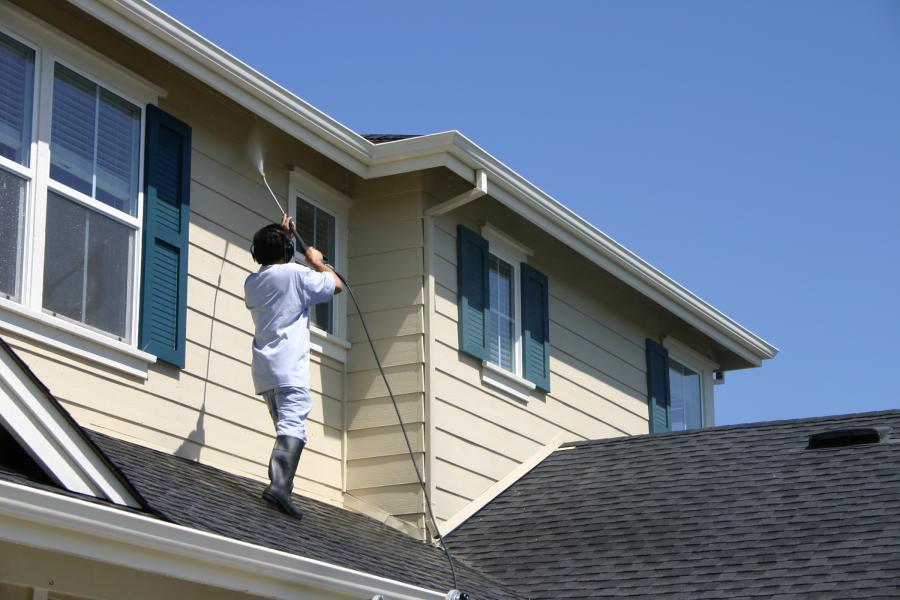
x=282 y=466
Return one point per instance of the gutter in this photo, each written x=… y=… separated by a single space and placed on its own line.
x=456 y=152
x=42 y=519
x=162 y=34
x=170 y=39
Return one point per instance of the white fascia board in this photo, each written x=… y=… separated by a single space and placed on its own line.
x=162 y=34
x=155 y=30
x=513 y=190
x=52 y=439
x=53 y=522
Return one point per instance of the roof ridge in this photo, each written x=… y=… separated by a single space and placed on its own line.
x=730 y=427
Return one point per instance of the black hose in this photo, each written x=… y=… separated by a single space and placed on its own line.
x=387 y=384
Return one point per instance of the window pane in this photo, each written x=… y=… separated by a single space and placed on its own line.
x=318 y=228
x=306 y=221
x=501 y=321
x=95 y=141
x=16 y=99
x=108 y=293
x=88 y=262
x=325 y=233
x=12 y=218
x=74 y=125
x=687 y=405
x=118 y=137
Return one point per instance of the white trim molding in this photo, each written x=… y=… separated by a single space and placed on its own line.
x=54 y=441
x=49 y=521
x=510 y=383
x=75 y=340
x=328 y=345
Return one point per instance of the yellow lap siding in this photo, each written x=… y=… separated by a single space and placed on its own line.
x=388 y=323
x=392 y=352
x=385 y=441
x=380 y=471
x=379 y=412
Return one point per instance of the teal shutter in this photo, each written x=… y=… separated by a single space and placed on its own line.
x=535 y=328
x=472 y=258
x=167 y=177
x=658 y=387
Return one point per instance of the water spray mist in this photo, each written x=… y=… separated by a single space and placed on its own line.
x=262 y=173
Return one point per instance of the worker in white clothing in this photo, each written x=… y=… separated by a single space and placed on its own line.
x=279 y=297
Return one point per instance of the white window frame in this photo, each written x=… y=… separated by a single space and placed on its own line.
x=27 y=317
x=703 y=366
x=514 y=253
x=302 y=184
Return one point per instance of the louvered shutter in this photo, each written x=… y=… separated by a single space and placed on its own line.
x=472 y=296
x=658 y=396
x=167 y=175
x=535 y=328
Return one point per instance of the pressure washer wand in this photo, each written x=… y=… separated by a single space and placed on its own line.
x=268 y=187
x=302 y=244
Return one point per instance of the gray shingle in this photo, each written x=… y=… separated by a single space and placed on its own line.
x=205 y=498
x=729 y=512
x=381 y=138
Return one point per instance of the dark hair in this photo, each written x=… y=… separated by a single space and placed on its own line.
x=271 y=245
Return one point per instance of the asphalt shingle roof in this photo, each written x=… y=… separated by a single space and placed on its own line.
x=730 y=512
x=202 y=497
x=381 y=138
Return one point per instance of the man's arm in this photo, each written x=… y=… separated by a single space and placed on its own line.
x=315 y=260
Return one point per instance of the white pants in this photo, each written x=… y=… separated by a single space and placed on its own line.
x=289 y=407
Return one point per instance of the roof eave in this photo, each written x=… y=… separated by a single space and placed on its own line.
x=154 y=29
x=59 y=523
x=460 y=154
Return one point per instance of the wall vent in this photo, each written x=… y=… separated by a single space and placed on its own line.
x=855 y=436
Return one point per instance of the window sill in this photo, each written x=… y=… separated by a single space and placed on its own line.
x=510 y=383
x=74 y=340
x=327 y=344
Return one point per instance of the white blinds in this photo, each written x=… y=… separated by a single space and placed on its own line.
x=16 y=99
x=94 y=142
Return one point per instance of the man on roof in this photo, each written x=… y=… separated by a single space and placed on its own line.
x=279 y=297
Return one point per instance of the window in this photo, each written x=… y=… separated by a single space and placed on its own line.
x=502 y=317
x=321 y=214
x=686 y=397
x=17 y=63
x=503 y=311
x=89 y=258
x=679 y=386
x=318 y=228
x=71 y=202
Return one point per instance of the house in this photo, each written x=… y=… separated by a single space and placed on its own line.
x=805 y=508
x=130 y=158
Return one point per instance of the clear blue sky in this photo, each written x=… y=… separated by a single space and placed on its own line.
x=750 y=150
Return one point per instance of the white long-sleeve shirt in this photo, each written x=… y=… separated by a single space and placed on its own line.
x=279 y=297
